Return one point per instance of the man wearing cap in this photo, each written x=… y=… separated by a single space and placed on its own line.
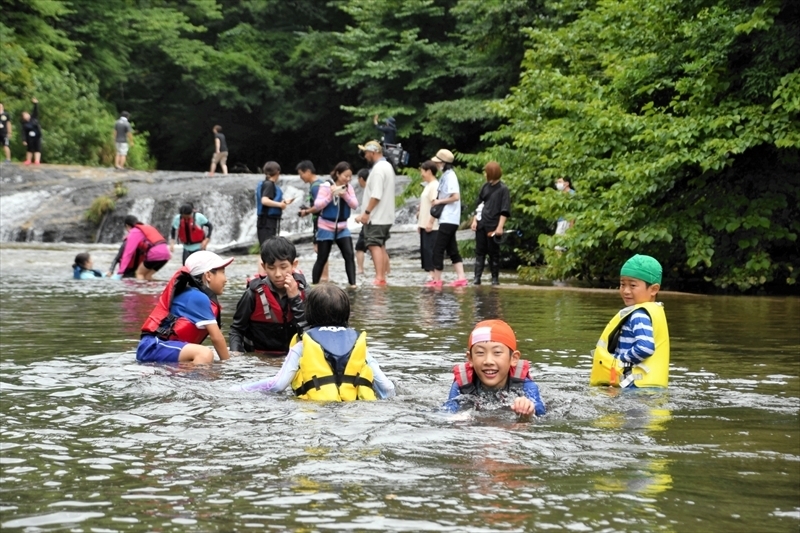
x=378 y=213
x=449 y=195
x=187 y=312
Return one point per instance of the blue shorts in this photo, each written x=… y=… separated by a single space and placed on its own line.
x=327 y=235
x=153 y=350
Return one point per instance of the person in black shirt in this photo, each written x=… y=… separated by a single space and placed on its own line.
x=220 y=151
x=32 y=134
x=5 y=132
x=388 y=129
x=492 y=211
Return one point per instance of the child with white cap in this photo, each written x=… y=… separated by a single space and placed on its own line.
x=187 y=312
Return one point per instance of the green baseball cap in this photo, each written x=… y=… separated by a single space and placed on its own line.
x=642 y=267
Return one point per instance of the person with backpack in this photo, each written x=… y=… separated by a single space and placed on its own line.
x=193 y=229
x=146 y=250
x=270 y=203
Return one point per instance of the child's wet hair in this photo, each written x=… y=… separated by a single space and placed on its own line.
x=277 y=249
x=186 y=209
x=131 y=221
x=327 y=305
x=81 y=259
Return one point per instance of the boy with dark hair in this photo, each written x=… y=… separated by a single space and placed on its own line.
x=270 y=203
x=272 y=309
x=494 y=371
x=188 y=227
x=633 y=350
x=307 y=172
x=331 y=361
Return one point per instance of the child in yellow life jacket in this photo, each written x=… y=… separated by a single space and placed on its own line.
x=494 y=370
x=331 y=361
x=633 y=350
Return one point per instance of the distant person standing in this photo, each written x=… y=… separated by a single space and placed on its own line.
x=192 y=229
x=378 y=212
x=220 y=151
x=449 y=195
x=427 y=225
x=123 y=139
x=361 y=247
x=270 y=203
x=388 y=129
x=335 y=200
x=491 y=213
x=562 y=224
x=5 y=132
x=32 y=134
x=308 y=173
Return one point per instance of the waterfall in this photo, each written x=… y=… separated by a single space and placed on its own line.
x=49 y=204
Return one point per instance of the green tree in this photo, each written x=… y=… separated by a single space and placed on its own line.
x=678 y=123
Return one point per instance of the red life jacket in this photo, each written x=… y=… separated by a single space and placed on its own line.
x=151 y=238
x=268 y=307
x=463 y=373
x=189 y=232
x=165 y=325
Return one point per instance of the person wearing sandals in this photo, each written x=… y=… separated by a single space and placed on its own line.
x=449 y=195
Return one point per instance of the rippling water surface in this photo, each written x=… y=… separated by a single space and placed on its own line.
x=92 y=441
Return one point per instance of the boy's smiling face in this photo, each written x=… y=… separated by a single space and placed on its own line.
x=635 y=291
x=492 y=362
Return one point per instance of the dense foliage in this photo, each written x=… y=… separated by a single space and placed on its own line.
x=677 y=120
x=678 y=124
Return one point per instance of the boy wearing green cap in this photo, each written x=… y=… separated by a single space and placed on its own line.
x=637 y=336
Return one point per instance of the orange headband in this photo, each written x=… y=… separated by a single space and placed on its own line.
x=495 y=331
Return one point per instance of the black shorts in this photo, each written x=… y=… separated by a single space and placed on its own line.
x=154 y=265
x=361 y=246
x=6 y=141
x=34 y=145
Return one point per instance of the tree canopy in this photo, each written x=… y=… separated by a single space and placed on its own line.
x=676 y=120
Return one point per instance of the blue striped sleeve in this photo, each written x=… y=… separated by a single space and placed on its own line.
x=636 y=342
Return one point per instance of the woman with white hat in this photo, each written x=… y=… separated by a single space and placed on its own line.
x=449 y=195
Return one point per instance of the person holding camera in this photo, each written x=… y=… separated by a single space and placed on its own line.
x=334 y=203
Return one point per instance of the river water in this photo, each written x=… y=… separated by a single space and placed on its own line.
x=92 y=441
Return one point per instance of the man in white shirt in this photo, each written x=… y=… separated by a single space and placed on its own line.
x=378 y=213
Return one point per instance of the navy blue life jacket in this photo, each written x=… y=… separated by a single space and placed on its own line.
x=272 y=212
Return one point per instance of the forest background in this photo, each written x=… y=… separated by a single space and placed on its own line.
x=677 y=120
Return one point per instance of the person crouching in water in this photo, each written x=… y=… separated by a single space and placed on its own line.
x=331 y=361
x=187 y=312
x=82 y=268
x=494 y=368
x=272 y=309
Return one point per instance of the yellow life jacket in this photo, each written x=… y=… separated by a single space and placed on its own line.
x=325 y=349
x=652 y=372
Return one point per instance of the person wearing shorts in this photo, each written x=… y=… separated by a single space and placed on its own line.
x=378 y=213
x=123 y=138
x=220 y=156
x=187 y=312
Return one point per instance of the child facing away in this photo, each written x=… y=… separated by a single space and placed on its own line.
x=82 y=267
x=272 y=309
x=187 y=312
x=331 y=362
x=637 y=336
x=494 y=369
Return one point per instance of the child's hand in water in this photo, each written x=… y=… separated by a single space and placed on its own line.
x=522 y=406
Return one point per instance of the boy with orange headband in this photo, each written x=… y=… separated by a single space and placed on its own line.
x=494 y=370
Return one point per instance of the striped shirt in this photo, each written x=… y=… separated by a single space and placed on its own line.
x=636 y=341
